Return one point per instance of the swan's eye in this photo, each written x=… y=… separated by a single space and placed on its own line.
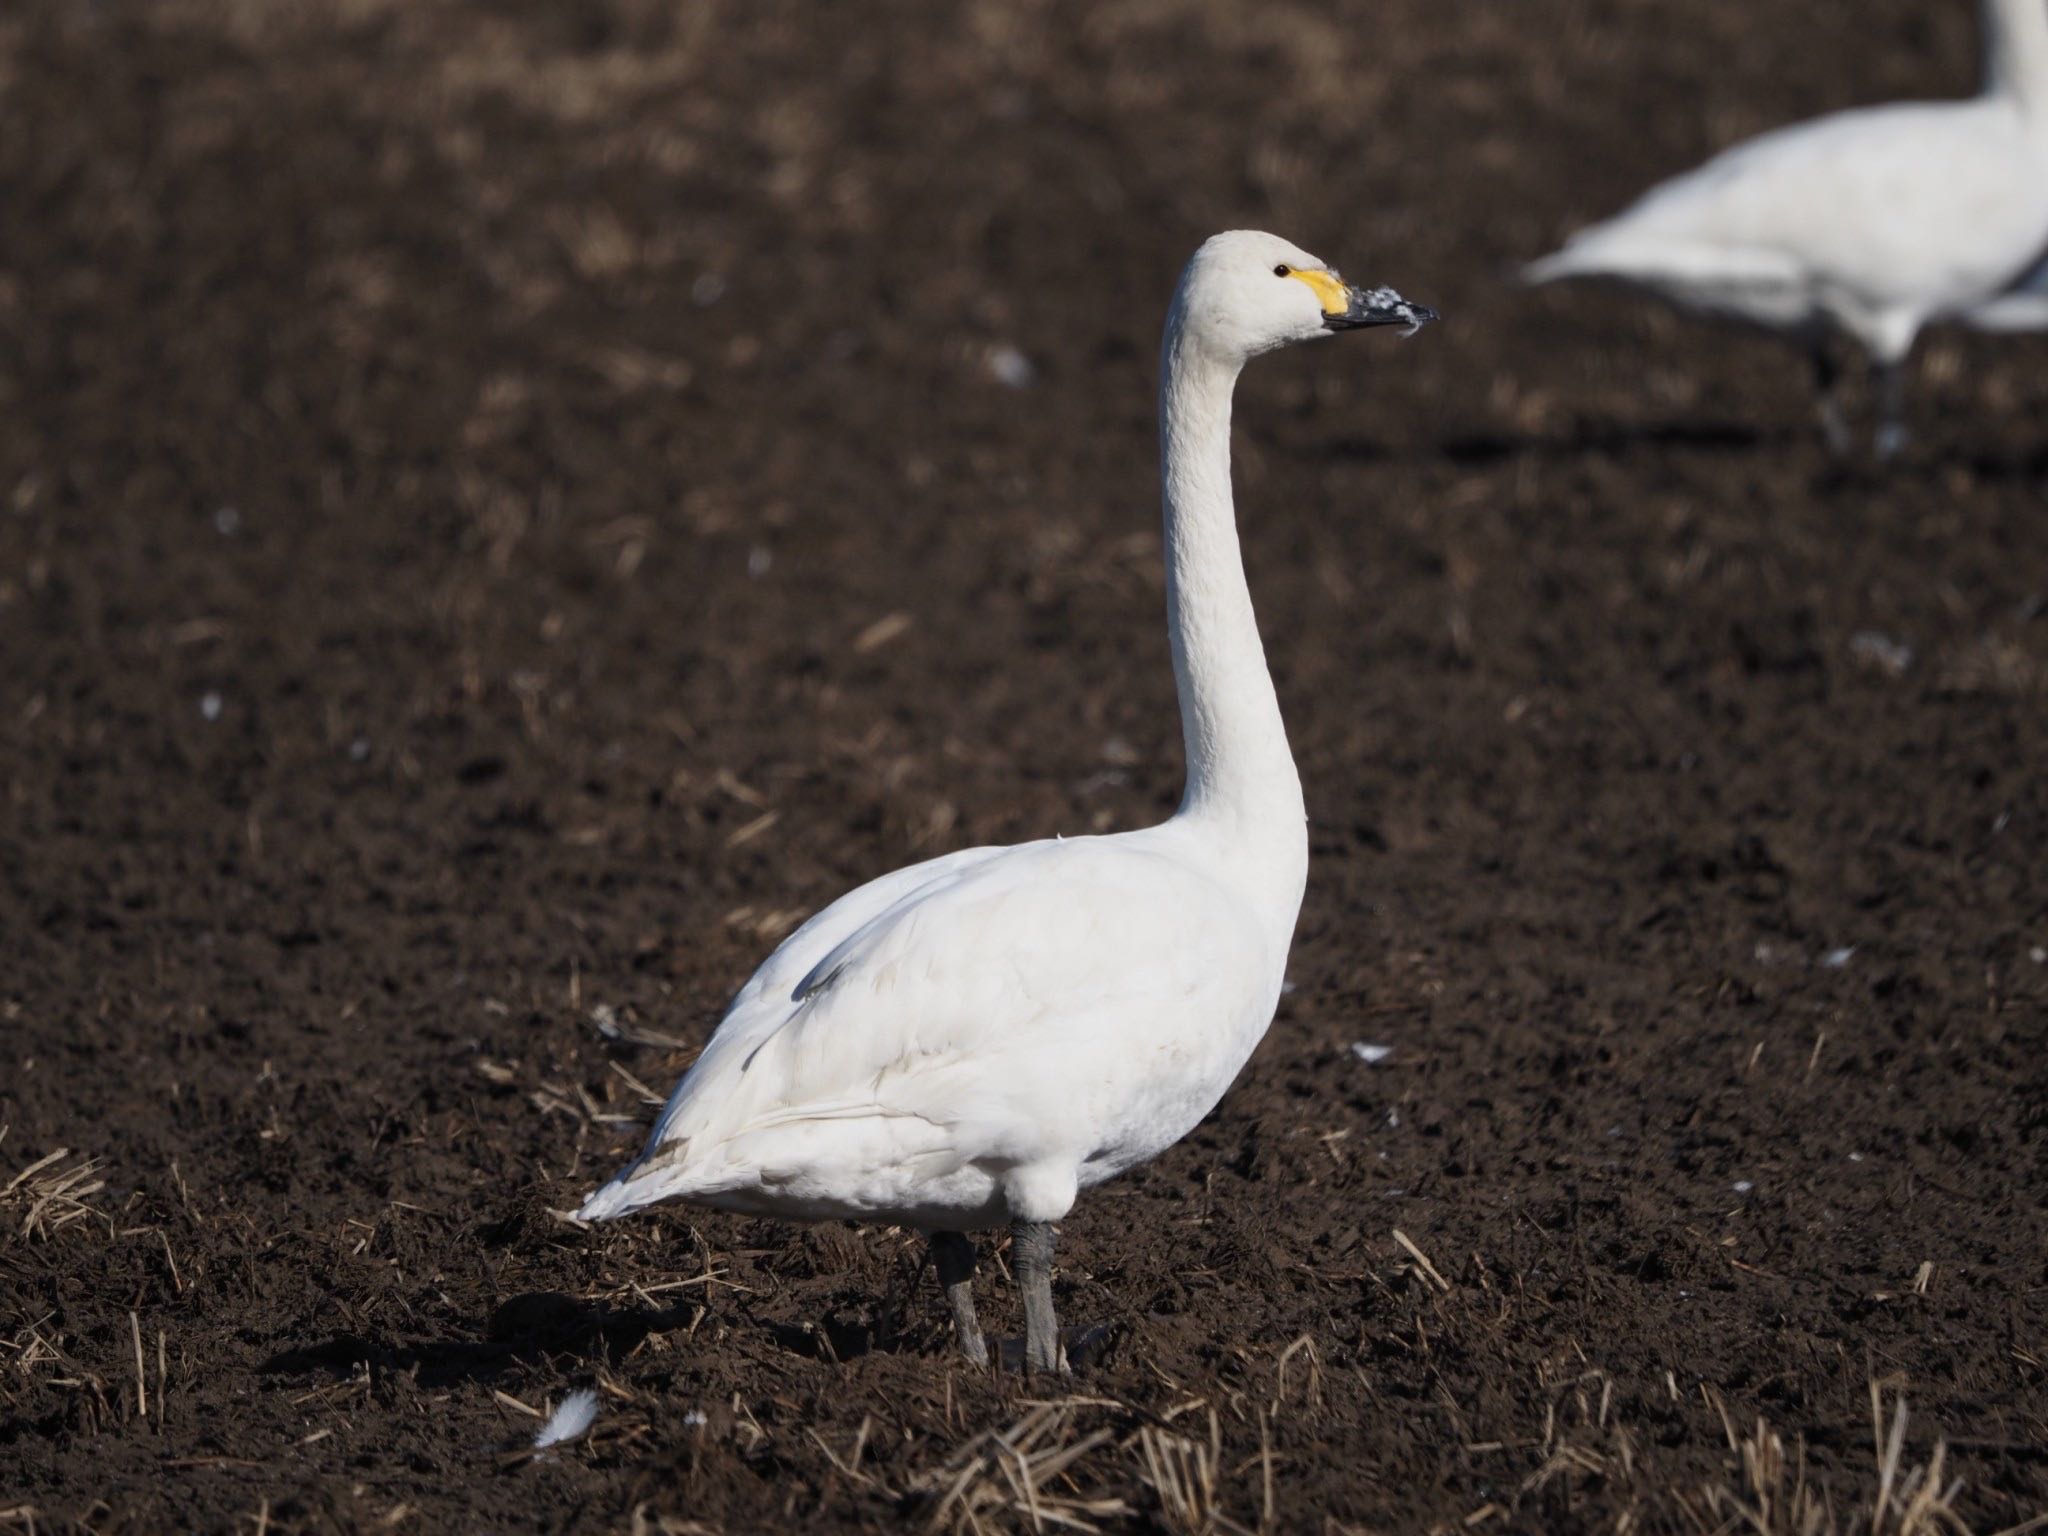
x=1283 y=270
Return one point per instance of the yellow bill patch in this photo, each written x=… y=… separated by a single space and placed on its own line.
x=1329 y=290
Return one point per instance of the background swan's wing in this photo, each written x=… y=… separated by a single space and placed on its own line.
x=983 y=972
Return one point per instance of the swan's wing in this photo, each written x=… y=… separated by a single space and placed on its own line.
x=831 y=926
x=754 y=1010
x=1914 y=201
x=1005 y=963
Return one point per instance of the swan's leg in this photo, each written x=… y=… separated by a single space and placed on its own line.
x=1827 y=378
x=953 y=1258
x=1031 y=1250
x=1892 y=435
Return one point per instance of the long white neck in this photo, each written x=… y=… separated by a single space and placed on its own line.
x=1241 y=777
x=2016 y=51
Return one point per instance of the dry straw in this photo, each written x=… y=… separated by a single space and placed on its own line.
x=1776 y=1496
x=1019 y=1476
x=52 y=1195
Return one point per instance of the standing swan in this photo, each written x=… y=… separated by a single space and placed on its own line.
x=1873 y=222
x=973 y=1040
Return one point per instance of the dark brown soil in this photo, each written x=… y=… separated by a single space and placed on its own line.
x=504 y=508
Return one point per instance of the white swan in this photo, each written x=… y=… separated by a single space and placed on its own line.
x=973 y=1040
x=1873 y=221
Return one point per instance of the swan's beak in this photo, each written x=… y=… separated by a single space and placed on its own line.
x=1375 y=306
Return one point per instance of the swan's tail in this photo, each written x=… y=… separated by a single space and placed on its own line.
x=1591 y=252
x=649 y=1179
x=614 y=1199
x=1619 y=248
x=1549 y=269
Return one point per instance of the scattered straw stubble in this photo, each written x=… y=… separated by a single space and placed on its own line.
x=1044 y=1473
x=1022 y=1471
x=1422 y=1259
x=1183 y=1474
x=52 y=1195
x=1776 y=1495
x=141 y=1375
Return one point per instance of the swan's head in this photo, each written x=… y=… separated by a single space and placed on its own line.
x=1244 y=293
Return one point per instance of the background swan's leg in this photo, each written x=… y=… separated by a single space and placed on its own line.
x=1827 y=378
x=1031 y=1251
x=953 y=1258
x=1891 y=411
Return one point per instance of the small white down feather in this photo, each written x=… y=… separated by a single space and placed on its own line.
x=571 y=1421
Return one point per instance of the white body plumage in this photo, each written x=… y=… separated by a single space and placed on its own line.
x=971 y=1040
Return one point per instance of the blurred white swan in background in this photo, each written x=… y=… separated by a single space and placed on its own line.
x=1873 y=221
x=973 y=1040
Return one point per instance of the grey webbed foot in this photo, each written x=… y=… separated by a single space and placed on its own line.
x=953 y=1258
x=1031 y=1253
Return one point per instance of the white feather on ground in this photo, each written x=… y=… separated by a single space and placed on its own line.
x=571 y=1421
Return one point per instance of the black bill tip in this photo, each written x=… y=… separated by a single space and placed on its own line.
x=1379 y=306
